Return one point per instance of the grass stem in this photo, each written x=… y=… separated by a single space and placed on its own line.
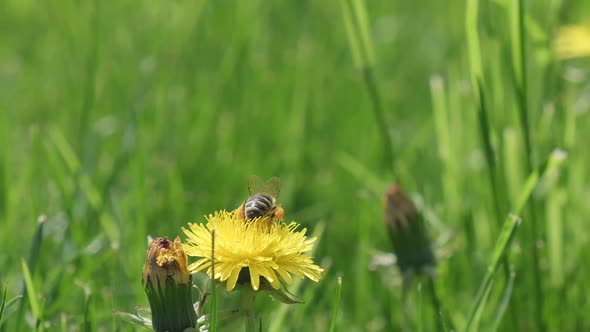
x=381 y=121
x=441 y=317
x=520 y=68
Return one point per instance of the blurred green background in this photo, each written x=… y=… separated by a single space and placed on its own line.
x=123 y=119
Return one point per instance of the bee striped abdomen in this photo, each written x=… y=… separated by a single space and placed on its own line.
x=259 y=205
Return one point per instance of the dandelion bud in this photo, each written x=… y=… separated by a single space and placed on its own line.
x=407 y=232
x=167 y=283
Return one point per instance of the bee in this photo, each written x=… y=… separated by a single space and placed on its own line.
x=262 y=202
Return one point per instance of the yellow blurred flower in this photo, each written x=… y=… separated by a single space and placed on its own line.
x=251 y=250
x=573 y=41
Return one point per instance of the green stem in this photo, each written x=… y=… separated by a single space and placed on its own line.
x=375 y=97
x=522 y=91
x=441 y=316
x=251 y=316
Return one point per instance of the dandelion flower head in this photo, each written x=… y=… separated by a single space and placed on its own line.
x=265 y=251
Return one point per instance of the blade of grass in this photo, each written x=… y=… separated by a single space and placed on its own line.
x=34 y=253
x=479 y=312
x=519 y=64
x=357 y=29
x=447 y=146
x=351 y=33
x=420 y=307
x=473 y=45
x=362 y=20
x=442 y=318
x=485 y=130
x=514 y=175
x=37 y=241
x=477 y=83
x=552 y=164
x=5 y=152
x=32 y=295
x=91 y=69
x=3 y=303
x=336 y=305
x=506 y=235
x=505 y=301
x=9 y=304
x=87 y=324
x=556 y=203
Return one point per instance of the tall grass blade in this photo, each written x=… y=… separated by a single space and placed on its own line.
x=336 y=305
x=442 y=319
x=479 y=311
x=87 y=324
x=485 y=132
x=556 y=203
x=8 y=305
x=504 y=302
x=552 y=164
x=3 y=304
x=356 y=21
x=91 y=66
x=34 y=253
x=506 y=235
x=4 y=165
x=519 y=66
x=447 y=147
x=473 y=45
x=366 y=42
x=37 y=241
x=477 y=84
x=351 y=33
x=381 y=121
x=65 y=150
x=32 y=295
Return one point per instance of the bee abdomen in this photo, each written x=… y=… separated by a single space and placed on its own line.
x=258 y=205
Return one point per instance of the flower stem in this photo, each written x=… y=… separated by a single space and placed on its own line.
x=251 y=316
x=443 y=320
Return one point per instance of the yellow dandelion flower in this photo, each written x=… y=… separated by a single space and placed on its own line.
x=573 y=41
x=255 y=247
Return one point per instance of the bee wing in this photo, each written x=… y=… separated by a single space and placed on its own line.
x=257 y=186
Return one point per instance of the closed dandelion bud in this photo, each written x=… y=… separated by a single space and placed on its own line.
x=167 y=283
x=407 y=232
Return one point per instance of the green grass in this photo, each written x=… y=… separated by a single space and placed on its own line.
x=124 y=119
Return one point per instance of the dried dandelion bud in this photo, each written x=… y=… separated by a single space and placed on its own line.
x=167 y=283
x=407 y=232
